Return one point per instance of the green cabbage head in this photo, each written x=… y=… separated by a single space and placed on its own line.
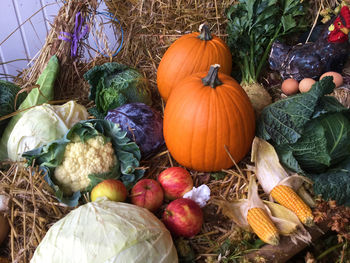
x=107 y=232
x=41 y=125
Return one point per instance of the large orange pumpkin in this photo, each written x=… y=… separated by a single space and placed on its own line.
x=207 y=112
x=191 y=53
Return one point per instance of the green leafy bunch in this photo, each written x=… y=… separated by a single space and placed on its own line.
x=253 y=25
x=311 y=134
x=113 y=85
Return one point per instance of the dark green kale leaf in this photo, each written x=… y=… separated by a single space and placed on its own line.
x=334 y=184
x=8 y=92
x=311 y=135
x=113 y=85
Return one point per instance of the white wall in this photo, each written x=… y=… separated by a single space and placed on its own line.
x=25 y=42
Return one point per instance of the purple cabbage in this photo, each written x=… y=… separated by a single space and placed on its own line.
x=143 y=125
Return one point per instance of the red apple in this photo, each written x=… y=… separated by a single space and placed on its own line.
x=176 y=182
x=183 y=217
x=113 y=189
x=147 y=193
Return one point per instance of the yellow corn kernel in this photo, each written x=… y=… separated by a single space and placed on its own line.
x=263 y=226
x=286 y=196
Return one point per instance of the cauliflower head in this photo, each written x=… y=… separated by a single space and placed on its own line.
x=82 y=159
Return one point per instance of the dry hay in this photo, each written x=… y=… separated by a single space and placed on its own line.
x=230 y=184
x=316 y=7
x=69 y=79
x=33 y=208
x=147 y=38
x=150 y=26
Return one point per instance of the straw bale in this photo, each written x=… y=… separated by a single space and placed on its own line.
x=316 y=6
x=33 y=208
x=67 y=85
x=150 y=28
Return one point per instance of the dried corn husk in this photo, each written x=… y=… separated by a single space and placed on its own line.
x=273 y=177
x=285 y=220
x=268 y=169
x=342 y=94
x=238 y=210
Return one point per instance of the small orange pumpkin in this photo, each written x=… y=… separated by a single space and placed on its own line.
x=207 y=112
x=191 y=53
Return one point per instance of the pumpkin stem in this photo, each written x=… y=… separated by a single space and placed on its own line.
x=204 y=32
x=212 y=78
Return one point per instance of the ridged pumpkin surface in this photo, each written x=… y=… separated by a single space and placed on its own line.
x=187 y=55
x=200 y=120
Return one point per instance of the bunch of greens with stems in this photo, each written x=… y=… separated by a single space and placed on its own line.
x=253 y=26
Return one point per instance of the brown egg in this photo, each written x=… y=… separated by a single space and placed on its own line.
x=337 y=78
x=306 y=84
x=290 y=86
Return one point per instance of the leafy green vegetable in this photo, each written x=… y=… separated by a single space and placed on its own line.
x=51 y=155
x=35 y=97
x=41 y=125
x=8 y=92
x=107 y=231
x=309 y=131
x=334 y=184
x=311 y=134
x=46 y=83
x=113 y=85
x=128 y=153
x=253 y=25
x=284 y=120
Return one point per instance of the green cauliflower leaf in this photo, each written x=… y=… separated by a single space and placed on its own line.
x=127 y=152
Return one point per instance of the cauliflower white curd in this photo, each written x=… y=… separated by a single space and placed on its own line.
x=81 y=159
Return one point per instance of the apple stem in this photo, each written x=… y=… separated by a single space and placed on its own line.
x=168 y=213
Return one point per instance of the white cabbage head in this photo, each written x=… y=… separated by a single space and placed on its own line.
x=41 y=125
x=107 y=232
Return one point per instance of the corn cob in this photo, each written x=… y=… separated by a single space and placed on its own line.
x=263 y=226
x=286 y=196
